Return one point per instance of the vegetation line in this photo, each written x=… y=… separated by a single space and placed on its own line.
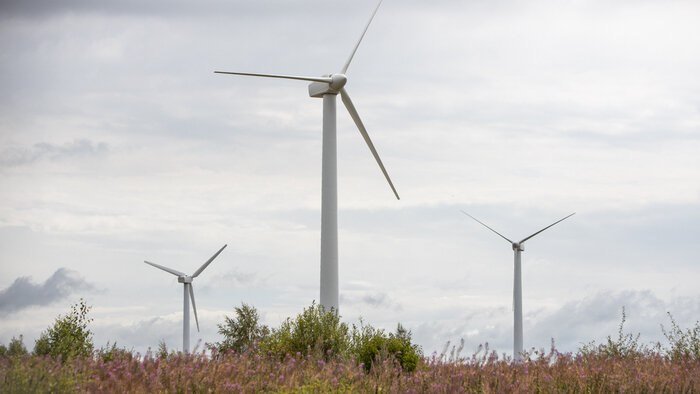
x=316 y=352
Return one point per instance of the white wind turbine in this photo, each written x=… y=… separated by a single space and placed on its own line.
x=186 y=280
x=517 y=287
x=328 y=87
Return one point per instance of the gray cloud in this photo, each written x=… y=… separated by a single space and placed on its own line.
x=46 y=8
x=143 y=334
x=12 y=157
x=22 y=293
x=596 y=317
x=373 y=299
x=573 y=324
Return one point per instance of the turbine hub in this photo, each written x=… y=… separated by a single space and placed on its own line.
x=184 y=279
x=517 y=246
x=338 y=81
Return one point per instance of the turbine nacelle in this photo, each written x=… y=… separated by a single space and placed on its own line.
x=337 y=82
x=519 y=246
x=184 y=279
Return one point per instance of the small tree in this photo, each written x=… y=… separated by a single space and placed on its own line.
x=242 y=332
x=69 y=336
x=16 y=347
x=162 y=351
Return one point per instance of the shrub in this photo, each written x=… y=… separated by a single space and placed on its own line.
x=683 y=345
x=162 y=351
x=315 y=330
x=69 y=336
x=626 y=345
x=242 y=332
x=114 y=353
x=370 y=345
x=14 y=348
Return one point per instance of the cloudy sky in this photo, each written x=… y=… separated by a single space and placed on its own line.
x=118 y=144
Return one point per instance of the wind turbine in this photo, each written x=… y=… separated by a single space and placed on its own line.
x=518 y=247
x=186 y=280
x=328 y=87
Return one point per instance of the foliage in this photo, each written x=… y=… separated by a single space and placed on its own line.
x=113 y=353
x=619 y=365
x=14 y=348
x=370 y=345
x=683 y=344
x=315 y=330
x=69 y=336
x=242 y=332
x=162 y=351
x=253 y=372
x=626 y=345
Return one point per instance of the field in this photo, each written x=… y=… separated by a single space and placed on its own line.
x=316 y=352
x=122 y=371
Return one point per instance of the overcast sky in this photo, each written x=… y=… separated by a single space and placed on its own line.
x=119 y=144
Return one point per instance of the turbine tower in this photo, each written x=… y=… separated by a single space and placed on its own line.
x=186 y=280
x=518 y=247
x=328 y=87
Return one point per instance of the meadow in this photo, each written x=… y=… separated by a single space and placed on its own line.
x=250 y=372
x=333 y=357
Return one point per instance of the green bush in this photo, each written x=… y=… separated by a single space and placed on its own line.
x=113 y=353
x=14 y=348
x=315 y=331
x=242 y=332
x=370 y=345
x=69 y=336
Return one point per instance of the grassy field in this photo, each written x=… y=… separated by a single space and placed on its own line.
x=122 y=371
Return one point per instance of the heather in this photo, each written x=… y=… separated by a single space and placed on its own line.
x=316 y=352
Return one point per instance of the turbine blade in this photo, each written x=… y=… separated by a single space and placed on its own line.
x=194 y=307
x=347 y=64
x=525 y=239
x=501 y=235
x=199 y=271
x=356 y=117
x=311 y=79
x=166 y=269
